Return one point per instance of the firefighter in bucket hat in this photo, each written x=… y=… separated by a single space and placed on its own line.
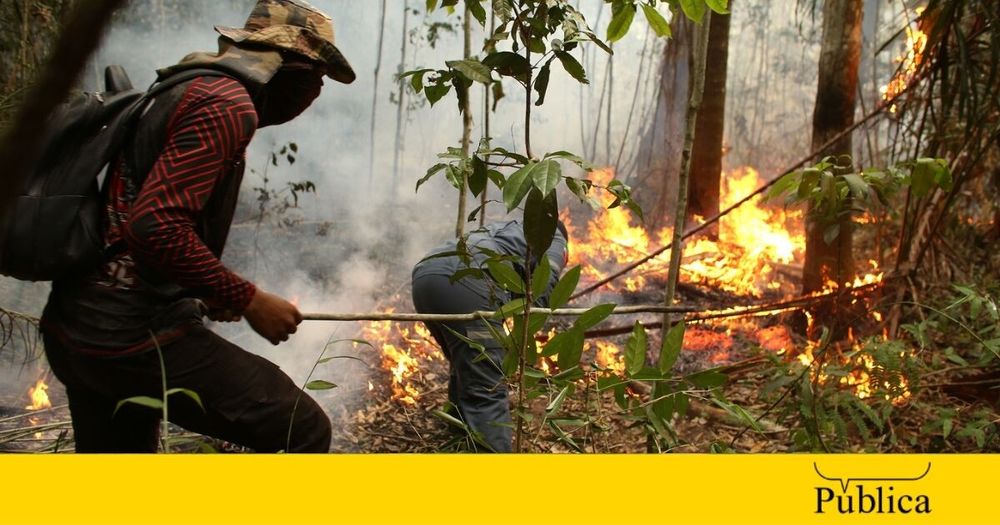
x=170 y=202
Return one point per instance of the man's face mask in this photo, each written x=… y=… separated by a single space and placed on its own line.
x=292 y=89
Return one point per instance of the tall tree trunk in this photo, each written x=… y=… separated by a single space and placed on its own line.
x=834 y=112
x=664 y=140
x=483 y=197
x=706 y=163
x=378 y=66
x=698 y=66
x=466 y=126
x=401 y=110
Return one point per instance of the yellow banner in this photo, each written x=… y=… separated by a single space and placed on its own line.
x=512 y=489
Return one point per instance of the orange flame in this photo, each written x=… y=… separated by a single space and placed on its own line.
x=909 y=60
x=39 y=396
x=751 y=239
x=404 y=348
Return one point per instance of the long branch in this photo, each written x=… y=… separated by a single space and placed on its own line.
x=706 y=314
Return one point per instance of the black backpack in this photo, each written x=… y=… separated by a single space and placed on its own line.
x=54 y=227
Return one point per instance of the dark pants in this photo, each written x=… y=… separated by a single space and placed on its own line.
x=247 y=399
x=476 y=385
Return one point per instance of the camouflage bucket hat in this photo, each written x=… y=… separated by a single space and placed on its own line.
x=296 y=26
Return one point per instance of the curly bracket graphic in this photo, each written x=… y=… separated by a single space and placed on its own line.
x=844 y=483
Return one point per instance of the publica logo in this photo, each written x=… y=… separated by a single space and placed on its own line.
x=872 y=495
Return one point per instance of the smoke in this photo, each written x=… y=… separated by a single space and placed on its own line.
x=350 y=246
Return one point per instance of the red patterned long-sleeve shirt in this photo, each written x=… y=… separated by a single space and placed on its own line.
x=210 y=127
x=159 y=227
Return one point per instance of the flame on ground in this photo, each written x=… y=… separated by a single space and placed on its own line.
x=403 y=347
x=754 y=241
x=751 y=240
x=39 y=396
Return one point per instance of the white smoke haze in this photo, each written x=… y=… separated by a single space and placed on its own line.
x=358 y=237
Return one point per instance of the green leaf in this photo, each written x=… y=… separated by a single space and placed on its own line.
x=658 y=423
x=509 y=365
x=190 y=393
x=472 y=69
x=546 y=176
x=331 y=358
x=517 y=186
x=564 y=288
x=569 y=348
x=693 y=9
x=506 y=276
x=477 y=10
x=507 y=154
x=594 y=316
x=707 y=379
x=635 y=349
x=508 y=64
x=558 y=400
x=569 y=374
x=572 y=66
x=831 y=233
x=621 y=20
x=739 y=412
x=540 y=277
x=431 y=5
x=572 y=157
x=416 y=82
x=512 y=307
x=783 y=185
x=430 y=173
x=719 y=6
x=479 y=176
x=542 y=82
x=564 y=437
x=437 y=91
x=656 y=21
x=567 y=345
x=859 y=188
x=666 y=397
x=146 y=401
x=922 y=177
x=673 y=341
x=808 y=182
x=541 y=216
x=320 y=384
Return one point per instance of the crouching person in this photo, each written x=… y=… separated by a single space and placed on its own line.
x=170 y=201
x=476 y=387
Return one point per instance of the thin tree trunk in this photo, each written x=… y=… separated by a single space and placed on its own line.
x=466 y=127
x=611 y=98
x=706 y=160
x=401 y=109
x=694 y=103
x=665 y=143
x=834 y=112
x=378 y=66
x=81 y=35
x=483 y=197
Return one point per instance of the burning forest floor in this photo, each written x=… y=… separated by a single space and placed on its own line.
x=929 y=388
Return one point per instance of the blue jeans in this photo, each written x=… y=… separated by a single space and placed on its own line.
x=476 y=385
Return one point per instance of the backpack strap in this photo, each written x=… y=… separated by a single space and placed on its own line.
x=147 y=122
